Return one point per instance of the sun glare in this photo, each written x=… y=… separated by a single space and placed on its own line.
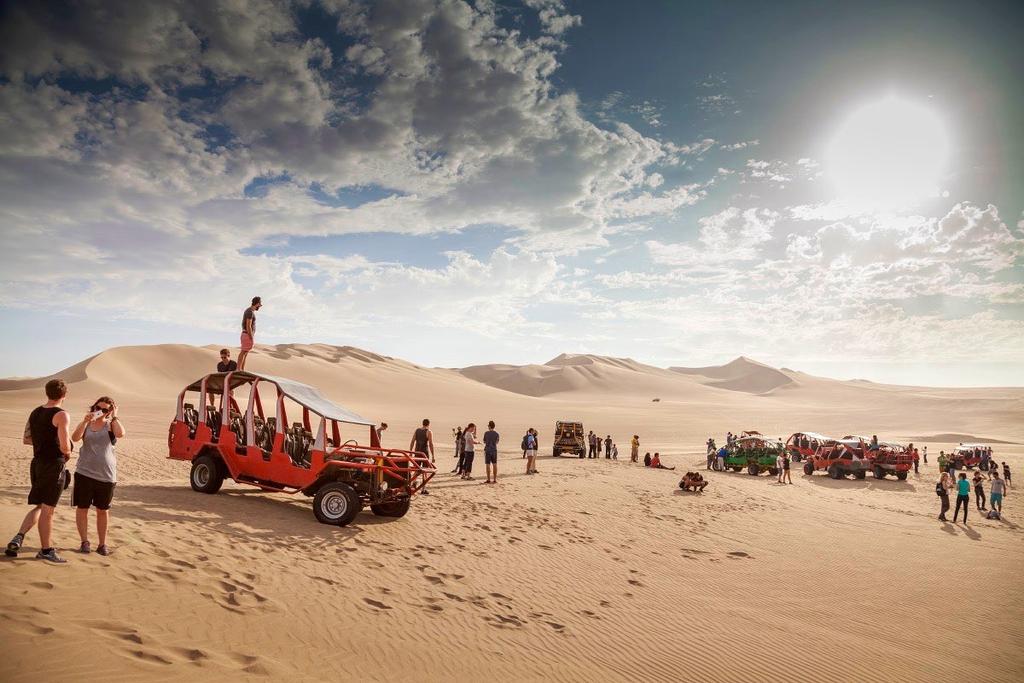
x=888 y=155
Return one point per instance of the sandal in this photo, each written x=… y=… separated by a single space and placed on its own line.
x=85 y=548
x=104 y=550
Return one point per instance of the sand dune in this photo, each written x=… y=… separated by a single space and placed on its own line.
x=590 y=571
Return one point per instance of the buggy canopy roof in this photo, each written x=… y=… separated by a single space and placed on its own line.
x=759 y=439
x=815 y=435
x=302 y=394
x=970 y=446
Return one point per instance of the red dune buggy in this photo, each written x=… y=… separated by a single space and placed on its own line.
x=241 y=430
x=838 y=457
x=804 y=444
x=887 y=458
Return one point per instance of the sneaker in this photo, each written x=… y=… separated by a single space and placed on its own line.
x=15 y=545
x=50 y=556
x=425 y=492
x=104 y=550
x=85 y=548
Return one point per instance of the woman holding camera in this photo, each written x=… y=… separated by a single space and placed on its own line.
x=96 y=470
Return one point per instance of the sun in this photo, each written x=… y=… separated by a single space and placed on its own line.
x=889 y=154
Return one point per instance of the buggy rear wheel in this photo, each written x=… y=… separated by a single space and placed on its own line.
x=808 y=468
x=902 y=476
x=860 y=474
x=774 y=471
x=206 y=475
x=835 y=472
x=878 y=472
x=396 y=508
x=336 y=503
x=753 y=470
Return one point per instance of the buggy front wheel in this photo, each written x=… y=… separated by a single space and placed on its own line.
x=336 y=503
x=396 y=508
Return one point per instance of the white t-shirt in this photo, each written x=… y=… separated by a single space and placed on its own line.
x=468 y=438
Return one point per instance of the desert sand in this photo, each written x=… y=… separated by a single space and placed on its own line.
x=593 y=570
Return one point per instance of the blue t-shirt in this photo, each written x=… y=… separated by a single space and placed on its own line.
x=531 y=442
x=491 y=441
x=963 y=487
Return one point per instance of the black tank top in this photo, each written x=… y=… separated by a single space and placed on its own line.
x=44 y=434
x=420 y=439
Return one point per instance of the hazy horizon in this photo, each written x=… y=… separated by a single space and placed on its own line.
x=832 y=187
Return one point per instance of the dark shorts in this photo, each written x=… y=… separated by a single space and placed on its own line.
x=47 y=476
x=490 y=457
x=91 y=492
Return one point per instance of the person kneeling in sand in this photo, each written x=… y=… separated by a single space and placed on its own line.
x=693 y=481
x=656 y=463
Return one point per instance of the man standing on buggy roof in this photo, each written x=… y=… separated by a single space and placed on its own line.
x=248 y=338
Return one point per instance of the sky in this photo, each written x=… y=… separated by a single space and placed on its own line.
x=832 y=187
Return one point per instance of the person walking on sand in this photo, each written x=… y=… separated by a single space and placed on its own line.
x=1006 y=476
x=96 y=470
x=786 y=476
x=469 y=443
x=634 y=449
x=248 y=338
x=491 y=439
x=422 y=441
x=531 y=451
x=963 y=496
x=778 y=467
x=996 y=492
x=47 y=431
x=979 y=492
x=458 y=450
x=942 y=489
x=924 y=454
x=608 y=447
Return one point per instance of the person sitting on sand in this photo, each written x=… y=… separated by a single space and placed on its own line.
x=647 y=459
x=693 y=481
x=656 y=463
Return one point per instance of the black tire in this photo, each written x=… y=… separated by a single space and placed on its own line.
x=808 y=468
x=774 y=471
x=878 y=472
x=397 y=508
x=207 y=475
x=860 y=474
x=902 y=476
x=753 y=469
x=737 y=469
x=835 y=472
x=336 y=503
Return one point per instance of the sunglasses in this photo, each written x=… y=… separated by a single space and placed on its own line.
x=103 y=410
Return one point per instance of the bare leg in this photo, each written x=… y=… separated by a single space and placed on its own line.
x=45 y=526
x=102 y=519
x=241 y=359
x=82 y=522
x=495 y=473
x=30 y=520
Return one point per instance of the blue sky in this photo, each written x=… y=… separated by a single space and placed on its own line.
x=832 y=187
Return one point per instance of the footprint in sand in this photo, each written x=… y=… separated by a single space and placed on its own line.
x=45 y=585
x=376 y=603
x=738 y=553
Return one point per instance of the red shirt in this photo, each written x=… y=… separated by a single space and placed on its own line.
x=655 y=461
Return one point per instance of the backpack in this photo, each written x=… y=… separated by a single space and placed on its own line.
x=524 y=445
x=992 y=514
x=939 y=491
